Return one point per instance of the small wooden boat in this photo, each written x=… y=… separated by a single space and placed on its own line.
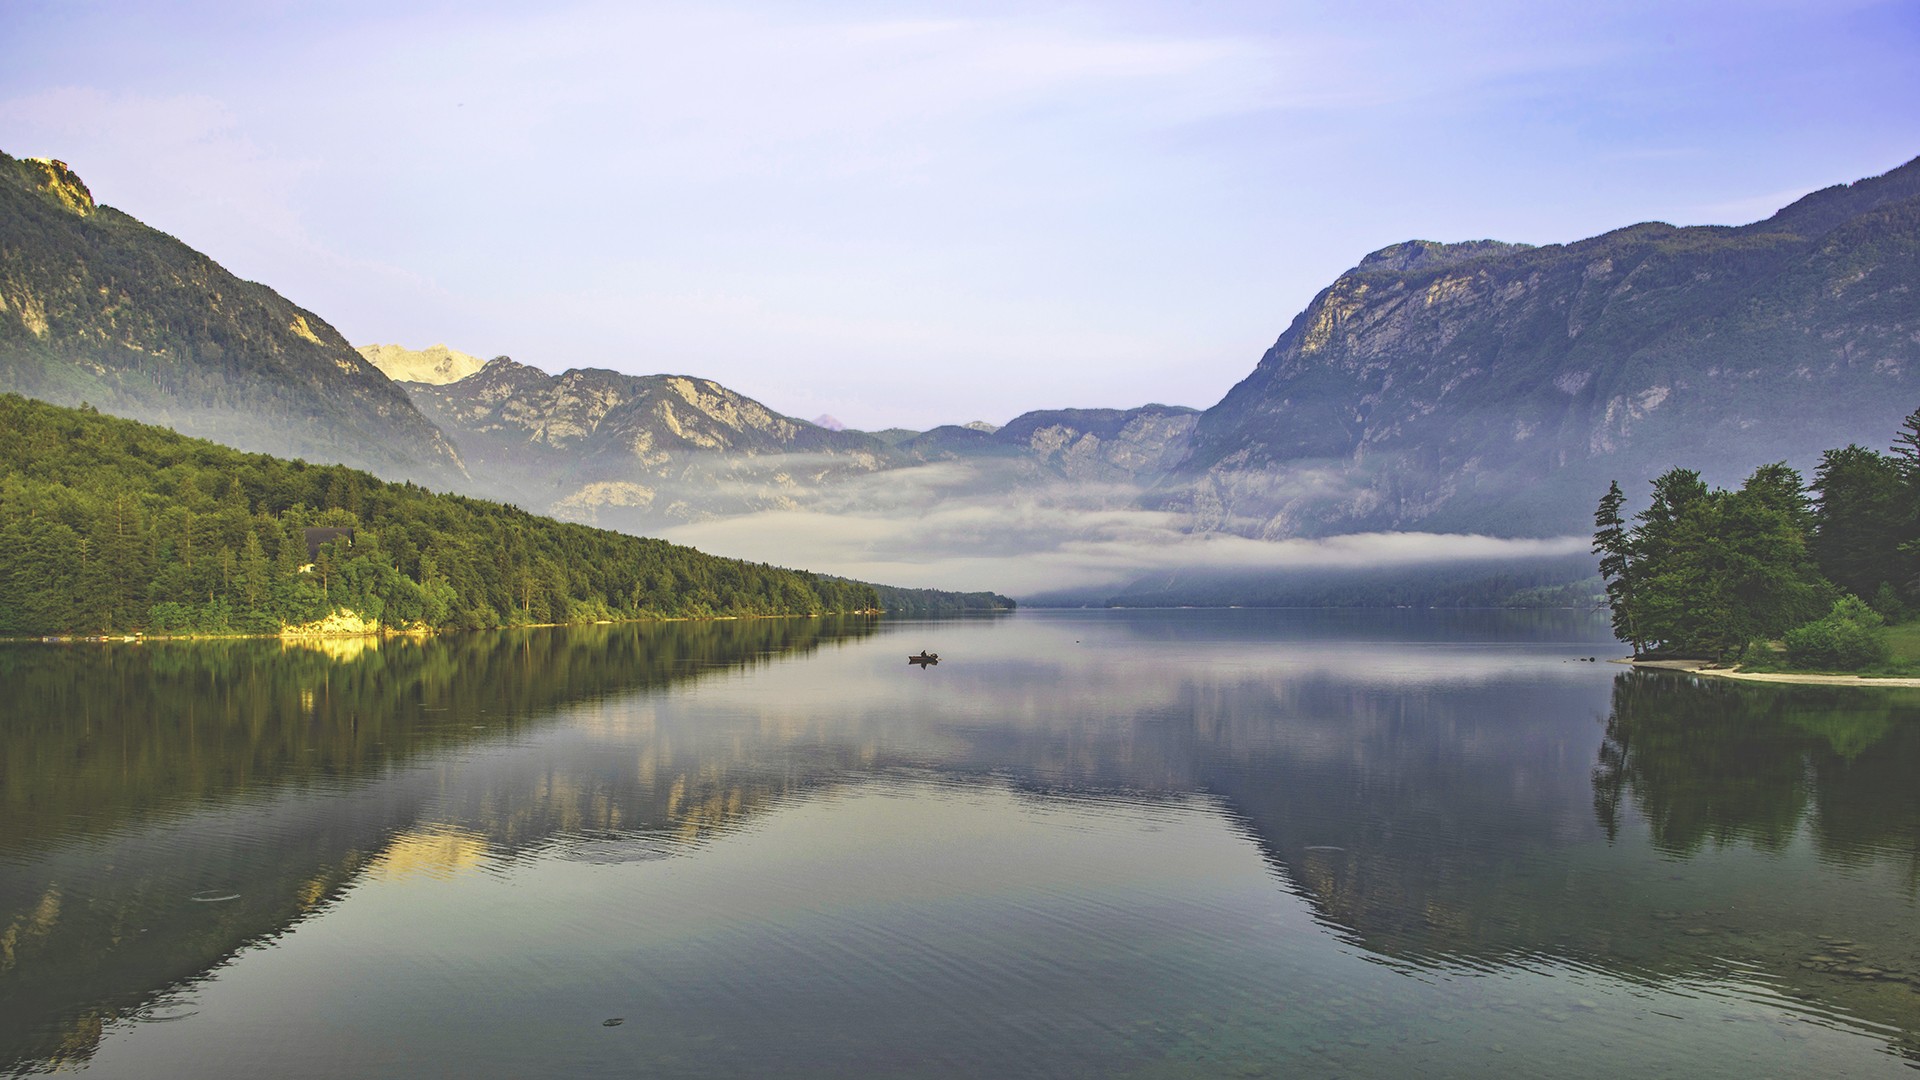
x=924 y=658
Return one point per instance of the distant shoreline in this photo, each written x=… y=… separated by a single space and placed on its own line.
x=1708 y=667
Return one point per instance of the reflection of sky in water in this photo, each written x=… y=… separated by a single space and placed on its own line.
x=1085 y=844
x=915 y=924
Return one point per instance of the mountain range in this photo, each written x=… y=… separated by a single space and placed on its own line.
x=1480 y=387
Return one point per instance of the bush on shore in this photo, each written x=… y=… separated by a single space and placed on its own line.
x=1851 y=637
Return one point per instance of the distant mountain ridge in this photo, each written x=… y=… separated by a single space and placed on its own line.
x=97 y=307
x=589 y=443
x=640 y=451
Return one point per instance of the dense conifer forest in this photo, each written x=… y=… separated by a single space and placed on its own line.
x=1822 y=568
x=110 y=527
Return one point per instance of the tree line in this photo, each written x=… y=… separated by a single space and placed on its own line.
x=110 y=526
x=1703 y=572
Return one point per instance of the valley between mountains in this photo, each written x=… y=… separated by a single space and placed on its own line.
x=1456 y=403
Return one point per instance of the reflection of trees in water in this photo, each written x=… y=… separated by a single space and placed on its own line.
x=107 y=733
x=1711 y=763
x=1455 y=828
x=1712 y=760
x=135 y=778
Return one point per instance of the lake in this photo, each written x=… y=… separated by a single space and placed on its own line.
x=1099 y=844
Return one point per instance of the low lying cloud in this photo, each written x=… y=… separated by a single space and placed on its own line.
x=918 y=527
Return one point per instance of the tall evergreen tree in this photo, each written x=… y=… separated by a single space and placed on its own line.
x=1866 y=511
x=1617 y=567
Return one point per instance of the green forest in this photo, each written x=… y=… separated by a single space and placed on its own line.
x=113 y=527
x=1816 y=574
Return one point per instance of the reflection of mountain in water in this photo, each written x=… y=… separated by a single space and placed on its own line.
x=1437 y=806
x=169 y=803
x=1433 y=801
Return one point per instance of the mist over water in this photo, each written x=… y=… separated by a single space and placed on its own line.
x=1203 y=843
x=992 y=524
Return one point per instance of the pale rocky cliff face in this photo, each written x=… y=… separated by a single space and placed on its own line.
x=436 y=365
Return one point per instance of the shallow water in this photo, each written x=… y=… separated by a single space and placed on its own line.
x=1189 y=843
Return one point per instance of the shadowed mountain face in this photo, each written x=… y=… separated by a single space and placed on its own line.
x=1496 y=387
x=97 y=307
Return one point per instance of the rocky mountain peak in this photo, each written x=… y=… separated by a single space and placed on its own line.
x=436 y=364
x=1412 y=255
x=60 y=183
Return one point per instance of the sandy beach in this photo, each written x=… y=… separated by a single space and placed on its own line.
x=1708 y=667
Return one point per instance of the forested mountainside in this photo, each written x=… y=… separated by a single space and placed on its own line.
x=111 y=526
x=1490 y=387
x=97 y=307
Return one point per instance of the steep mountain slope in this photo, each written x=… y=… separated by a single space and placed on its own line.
x=1496 y=387
x=97 y=307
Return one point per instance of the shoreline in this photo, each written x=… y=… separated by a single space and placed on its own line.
x=1708 y=667
x=389 y=632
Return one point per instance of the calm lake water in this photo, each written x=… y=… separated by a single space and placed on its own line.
x=1188 y=843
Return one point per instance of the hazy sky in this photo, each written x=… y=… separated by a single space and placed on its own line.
x=917 y=213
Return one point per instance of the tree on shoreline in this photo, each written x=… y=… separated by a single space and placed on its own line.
x=1617 y=565
x=1705 y=573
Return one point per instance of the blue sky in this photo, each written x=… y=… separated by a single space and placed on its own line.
x=917 y=213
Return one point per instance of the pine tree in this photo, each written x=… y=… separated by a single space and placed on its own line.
x=1613 y=545
x=1906 y=449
